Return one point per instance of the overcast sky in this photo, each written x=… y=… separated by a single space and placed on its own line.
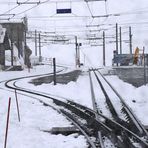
x=130 y=13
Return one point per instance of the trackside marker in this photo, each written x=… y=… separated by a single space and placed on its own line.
x=7 y=124
x=17 y=105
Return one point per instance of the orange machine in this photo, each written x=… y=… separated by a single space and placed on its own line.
x=136 y=56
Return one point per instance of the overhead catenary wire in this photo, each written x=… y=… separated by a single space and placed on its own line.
x=18 y=5
x=107 y=15
x=89 y=9
x=106 y=11
x=137 y=11
x=8 y=11
x=14 y=16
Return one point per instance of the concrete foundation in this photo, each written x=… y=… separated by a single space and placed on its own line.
x=132 y=75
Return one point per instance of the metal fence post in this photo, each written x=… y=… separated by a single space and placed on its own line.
x=54 y=71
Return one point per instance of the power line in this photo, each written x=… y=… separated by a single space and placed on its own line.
x=37 y=4
x=89 y=9
x=8 y=11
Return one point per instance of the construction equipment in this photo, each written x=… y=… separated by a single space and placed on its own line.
x=136 y=55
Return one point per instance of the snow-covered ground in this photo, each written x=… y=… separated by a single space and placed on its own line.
x=35 y=117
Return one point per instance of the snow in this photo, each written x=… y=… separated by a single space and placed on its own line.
x=35 y=118
x=130 y=93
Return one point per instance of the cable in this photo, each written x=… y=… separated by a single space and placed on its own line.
x=30 y=8
x=8 y=11
x=106 y=11
x=89 y=9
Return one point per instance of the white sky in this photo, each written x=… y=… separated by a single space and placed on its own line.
x=79 y=8
x=25 y=134
x=44 y=17
x=35 y=117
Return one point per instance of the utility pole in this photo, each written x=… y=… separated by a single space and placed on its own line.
x=40 y=48
x=36 y=43
x=130 y=40
x=117 y=40
x=120 y=40
x=104 y=48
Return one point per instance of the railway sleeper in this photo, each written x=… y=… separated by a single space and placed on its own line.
x=86 y=109
x=77 y=111
x=87 y=130
x=92 y=123
x=63 y=130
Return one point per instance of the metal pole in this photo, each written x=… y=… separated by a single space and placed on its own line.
x=40 y=48
x=36 y=43
x=7 y=124
x=79 y=54
x=76 y=46
x=54 y=71
x=25 y=48
x=130 y=40
x=120 y=41
x=104 y=48
x=144 y=66
x=117 y=38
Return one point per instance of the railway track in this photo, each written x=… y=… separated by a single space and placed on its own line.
x=82 y=116
x=97 y=131
x=128 y=125
x=75 y=115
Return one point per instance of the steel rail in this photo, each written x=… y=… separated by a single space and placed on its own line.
x=70 y=107
x=95 y=123
x=78 y=125
x=108 y=101
x=67 y=116
x=133 y=117
x=112 y=124
x=103 y=127
x=93 y=95
x=127 y=142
